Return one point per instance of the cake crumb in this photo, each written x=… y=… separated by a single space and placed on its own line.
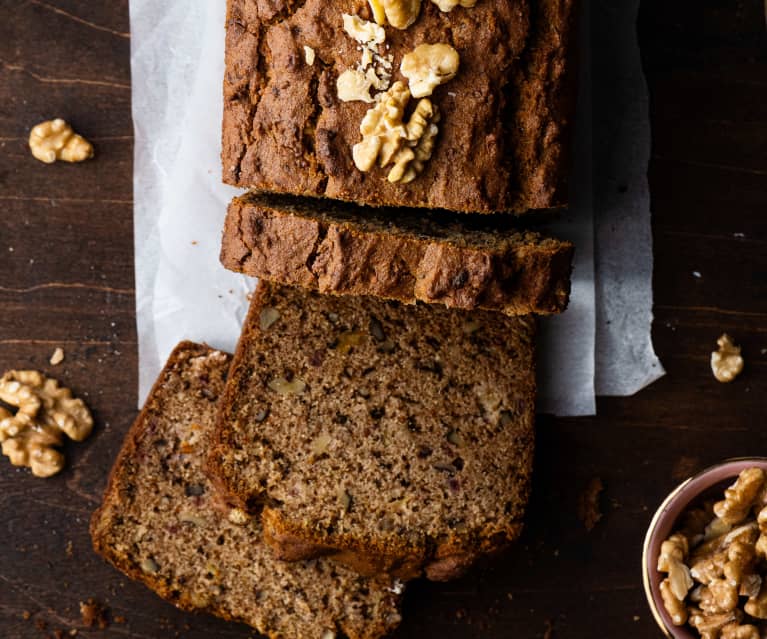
x=26 y=615
x=69 y=550
x=57 y=357
x=588 y=504
x=93 y=614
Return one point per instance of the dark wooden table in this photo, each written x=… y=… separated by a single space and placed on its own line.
x=66 y=279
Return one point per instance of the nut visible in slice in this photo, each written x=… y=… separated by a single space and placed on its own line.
x=428 y=66
x=727 y=362
x=268 y=317
x=284 y=387
x=56 y=140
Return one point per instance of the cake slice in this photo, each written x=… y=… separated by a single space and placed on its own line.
x=395 y=438
x=162 y=524
x=459 y=261
x=499 y=128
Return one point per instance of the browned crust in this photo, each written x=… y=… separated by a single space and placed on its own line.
x=447 y=559
x=504 y=140
x=438 y=559
x=337 y=251
x=112 y=497
x=113 y=491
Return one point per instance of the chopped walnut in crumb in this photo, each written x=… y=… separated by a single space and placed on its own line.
x=727 y=362
x=716 y=580
x=57 y=357
x=45 y=413
x=56 y=140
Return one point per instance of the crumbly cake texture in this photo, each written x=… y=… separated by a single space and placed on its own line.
x=161 y=524
x=505 y=117
x=455 y=260
x=395 y=438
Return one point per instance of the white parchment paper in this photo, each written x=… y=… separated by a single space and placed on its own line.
x=182 y=292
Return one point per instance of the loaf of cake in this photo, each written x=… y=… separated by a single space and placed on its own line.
x=424 y=103
x=457 y=260
x=162 y=524
x=395 y=438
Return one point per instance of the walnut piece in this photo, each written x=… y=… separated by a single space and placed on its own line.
x=710 y=626
x=309 y=55
x=379 y=13
x=736 y=631
x=45 y=413
x=363 y=31
x=673 y=604
x=741 y=496
x=727 y=362
x=757 y=606
x=401 y=13
x=56 y=140
x=282 y=386
x=449 y=5
x=386 y=138
x=428 y=66
x=673 y=552
x=354 y=85
x=57 y=357
x=267 y=317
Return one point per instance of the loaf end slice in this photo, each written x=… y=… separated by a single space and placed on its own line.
x=394 y=438
x=162 y=524
x=455 y=260
x=505 y=118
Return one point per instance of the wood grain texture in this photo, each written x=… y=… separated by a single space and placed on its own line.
x=66 y=279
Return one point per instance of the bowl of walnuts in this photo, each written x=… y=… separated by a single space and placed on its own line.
x=704 y=560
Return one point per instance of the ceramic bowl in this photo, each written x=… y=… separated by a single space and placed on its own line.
x=663 y=525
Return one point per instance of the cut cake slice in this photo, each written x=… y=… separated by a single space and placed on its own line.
x=161 y=524
x=395 y=438
x=456 y=260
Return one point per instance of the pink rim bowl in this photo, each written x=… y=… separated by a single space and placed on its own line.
x=663 y=525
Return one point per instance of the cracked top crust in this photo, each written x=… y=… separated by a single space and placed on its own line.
x=437 y=257
x=502 y=144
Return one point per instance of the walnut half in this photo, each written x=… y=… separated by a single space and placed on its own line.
x=45 y=413
x=727 y=362
x=56 y=140
x=386 y=138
